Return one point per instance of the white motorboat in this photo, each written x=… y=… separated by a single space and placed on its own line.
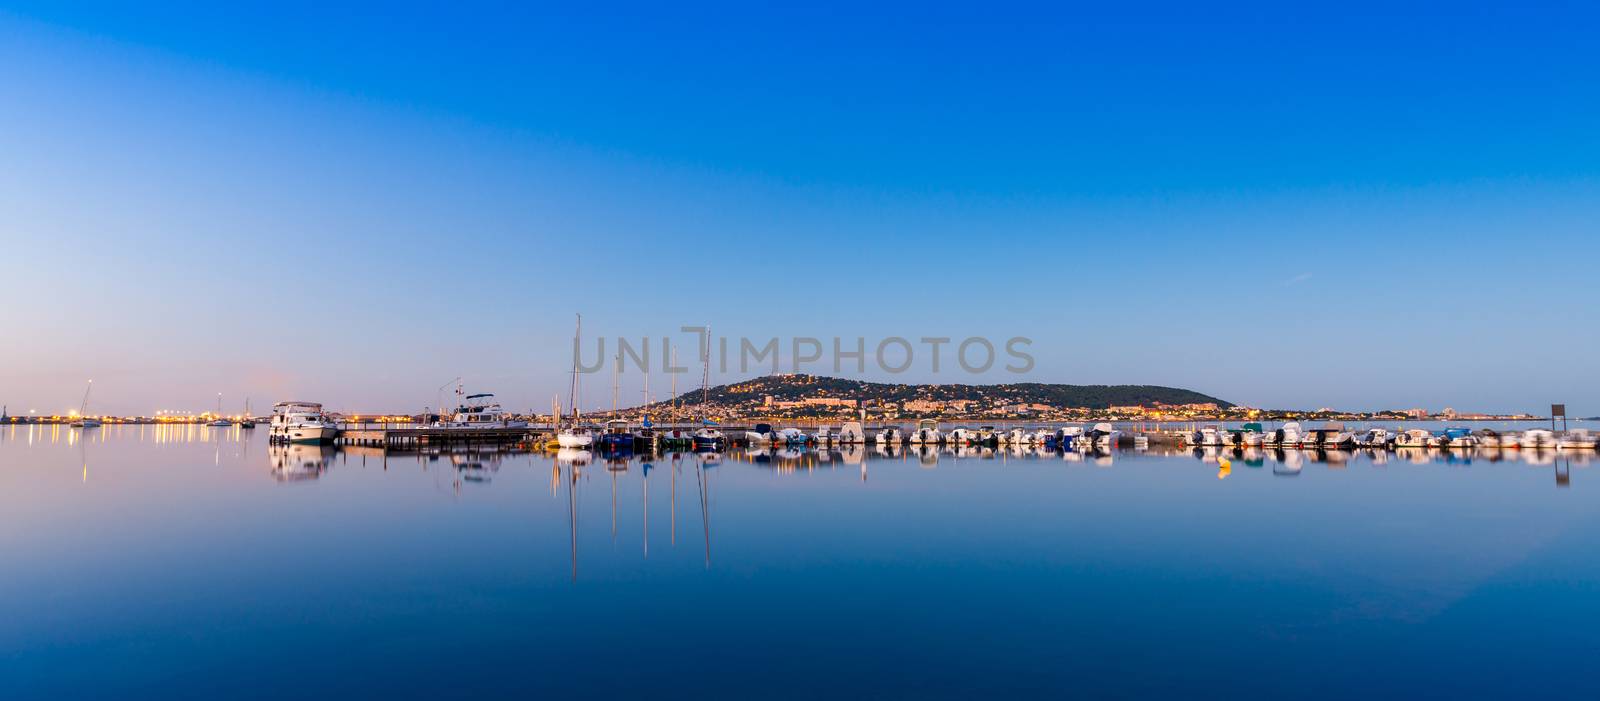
x=1539 y=439
x=301 y=422
x=1206 y=437
x=1287 y=435
x=1016 y=437
x=825 y=436
x=961 y=435
x=1413 y=438
x=1576 y=439
x=890 y=435
x=792 y=436
x=1247 y=436
x=927 y=433
x=1490 y=439
x=851 y=434
x=1374 y=438
x=1331 y=435
x=1454 y=438
x=480 y=411
x=1101 y=436
x=760 y=436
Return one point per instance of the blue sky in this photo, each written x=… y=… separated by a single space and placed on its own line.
x=1357 y=206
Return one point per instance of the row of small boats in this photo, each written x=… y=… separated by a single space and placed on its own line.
x=619 y=435
x=1334 y=435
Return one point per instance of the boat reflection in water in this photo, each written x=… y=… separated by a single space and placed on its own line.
x=297 y=462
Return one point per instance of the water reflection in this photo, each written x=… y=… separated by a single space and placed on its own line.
x=297 y=462
x=796 y=541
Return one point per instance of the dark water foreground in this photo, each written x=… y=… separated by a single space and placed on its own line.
x=145 y=562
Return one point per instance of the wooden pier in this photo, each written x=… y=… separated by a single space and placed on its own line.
x=413 y=438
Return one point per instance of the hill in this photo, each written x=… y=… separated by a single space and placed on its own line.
x=797 y=387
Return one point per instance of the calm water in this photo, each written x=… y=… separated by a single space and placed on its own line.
x=187 y=562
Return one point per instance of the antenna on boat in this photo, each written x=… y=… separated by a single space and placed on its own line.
x=438 y=398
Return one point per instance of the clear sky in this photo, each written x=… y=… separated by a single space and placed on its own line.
x=1361 y=206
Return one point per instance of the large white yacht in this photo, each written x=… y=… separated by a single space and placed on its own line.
x=301 y=422
x=481 y=411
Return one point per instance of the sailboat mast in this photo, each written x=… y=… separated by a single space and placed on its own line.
x=83 y=408
x=572 y=396
x=705 y=370
x=616 y=371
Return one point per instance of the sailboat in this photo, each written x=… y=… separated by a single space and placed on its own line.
x=84 y=419
x=576 y=435
x=246 y=421
x=709 y=436
x=219 y=422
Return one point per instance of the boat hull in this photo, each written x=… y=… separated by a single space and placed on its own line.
x=307 y=434
x=571 y=440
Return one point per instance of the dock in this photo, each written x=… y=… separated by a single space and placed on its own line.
x=406 y=437
x=412 y=438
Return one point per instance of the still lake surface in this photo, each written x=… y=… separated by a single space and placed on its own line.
x=182 y=562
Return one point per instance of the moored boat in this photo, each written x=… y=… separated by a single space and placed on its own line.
x=1330 y=436
x=1413 y=438
x=709 y=437
x=84 y=420
x=927 y=433
x=617 y=436
x=480 y=411
x=1101 y=436
x=1246 y=436
x=217 y=420
x=1454 y=438
x=760 y=436
x=1287 y=435
x=1207 y=437
x=301 y=422
x=1576 y=439
x=852 y=434
x=1539 y=439
x=575 y=437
